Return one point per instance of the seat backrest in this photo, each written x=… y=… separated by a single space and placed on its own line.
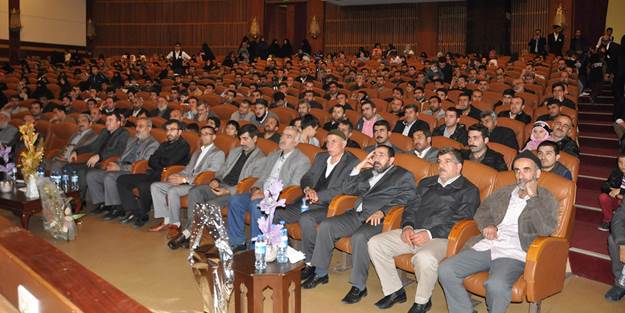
x=418 y=167
x=321 y=115
x=359 y=153
x=402 y=142
x=309 y=150
x=517 y=127
x=428 y=119
x=266 y=146
x=223 y=111
x=482 y=176
x=225 y=142
x=159 y=134
x=60 y=134
x=507 y=152
x=442 y=142
x=362 y=139
x=571 y=163
x=286 y=115
x=192 y=138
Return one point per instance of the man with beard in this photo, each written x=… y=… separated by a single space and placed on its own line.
x=270 y=128
x=380 y=186
x=562 y=126
x=382 y=136
x=509 y=220
x=422 y=143
x=479 y=151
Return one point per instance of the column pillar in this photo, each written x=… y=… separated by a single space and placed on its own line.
x=315 y=8
x=14 y=36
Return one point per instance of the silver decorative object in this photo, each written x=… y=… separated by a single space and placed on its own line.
x=212 y=267
x=56 y=210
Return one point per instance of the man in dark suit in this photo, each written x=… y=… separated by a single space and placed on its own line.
x=323 y=181
x=161 y=110
x=422 y=143
x=498 y=134
x=517 y=104
x=410 y=123
x=537 y=43
x=110 y=142
x=382 y=136
x=478 y=150
x=452 y=128
x=616 y=246
x=380 y=186
x=555 y=40
x=441 y=201
x=174 y=151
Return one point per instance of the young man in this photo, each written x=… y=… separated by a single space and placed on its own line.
x=517 y=104
x=410 y=123
x=422 y=143
x=452 y=128
x=498 y=134
x=368 y=119
x=612 y=192
x=549 y=153
x=382 y=136
x=478 y=150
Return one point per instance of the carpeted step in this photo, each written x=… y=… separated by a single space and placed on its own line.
x=594 y=117
x=591 y=267
x=588 y=197
x=587 y=133
x=589 y=183
x=602 y=127
x=607 y=151
x=596 y=170
x=585 y=233
x=598 y=107
x=598 y=141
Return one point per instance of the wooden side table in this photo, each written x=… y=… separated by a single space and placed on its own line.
x=277 y=277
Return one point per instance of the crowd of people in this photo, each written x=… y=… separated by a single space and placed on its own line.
x=360 y=111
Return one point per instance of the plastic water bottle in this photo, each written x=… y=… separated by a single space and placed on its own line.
x=56 y=178
x=304 y=206
x=621 y=281
x=41 y=171
x=74 y=180
x=260 y=249
x=283 y=245
x=65 y=180
x=13 y=174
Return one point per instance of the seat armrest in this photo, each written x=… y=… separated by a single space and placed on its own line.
x=204 y=178
x=545 y=267
x=340 y=204
x=169 y=170
x=290 y=193
x=83 y=157
x=459 y=234
x=52 y=153
x=392 y=220
x=245 y=184
x=112 y=159
x=140 y=167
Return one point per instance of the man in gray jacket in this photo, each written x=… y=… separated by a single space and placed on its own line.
x=84 y=136
x=616 y=246
x=422 y=143
x=102 y=183
x=288 y=164
x=166 y=195
x=509 y=220
x=244 y=161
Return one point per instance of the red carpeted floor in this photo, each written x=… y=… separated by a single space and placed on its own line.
x=598 y=146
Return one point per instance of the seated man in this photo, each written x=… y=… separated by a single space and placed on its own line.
x=346 y=127
x=616 y=246
x=517 y=104
x=498 y=134
x=102 y=183
x=422 y=142
x=441 y=201
x=337 y=115
x=321 y=183
x=382 y=136
x=166 y=195
x=244 y=112
x=464 y=105
x=162 y=109
x=558 y=91
x=434 y=108
x=174 y=151
x=288 y=164
x=509 y=220
x=612 y=191
x=410 y=122
x=554 y=110
x=452 y=128
x=368 y=118
x=261 y=113
x=8 y=132
x=110 y=142
x=242 y=162
x=479 y=152
x=270 y=128
x=380 y=186
x=549 y=153
x=562 y=126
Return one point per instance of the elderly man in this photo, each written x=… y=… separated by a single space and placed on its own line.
x=287 y=164
x=321 y=183
x=8 y=132
x=379 y=186
x=102 y=183
x=509 y=220
x=382 y=136
x=562 y=126
x=422 y=143
x=166 y=195
x=498 y=134
x=162 y=110
x=84 y=136
x=244 y=161
x=478 y=150
x=441 y=201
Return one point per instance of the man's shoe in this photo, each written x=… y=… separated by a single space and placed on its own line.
x=354 y=295
x=128 y=218
x=158 y=227
x=615 y=293
x=421 y=308
x=307 y=272
x=398 y=296
x=173 y=231
x=113 y=214
x=178 y=242
x=314 y=280
x=140 y=221
x=605 y=226
x=100 y=208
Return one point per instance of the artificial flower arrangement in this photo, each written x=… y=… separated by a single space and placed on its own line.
x=268 y=205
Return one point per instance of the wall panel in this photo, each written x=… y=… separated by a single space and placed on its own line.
x=154 y=26
x=4 y=21
x=63 y=23
x=527 y=15
x=452 y=28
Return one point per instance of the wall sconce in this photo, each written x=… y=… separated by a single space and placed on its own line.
x=90 y=29
x=314 y=29
x=559 y=19
x=254 y=28
x=15 y=23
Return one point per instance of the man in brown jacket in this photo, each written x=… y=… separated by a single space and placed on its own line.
x=509 y=220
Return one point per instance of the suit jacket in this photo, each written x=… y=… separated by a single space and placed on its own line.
x=86 y=139
x=292 y=171
x=418 y=124
x=523 y=117
x=146 y=148
x=431 y=156
x=212 y=161
x=339 y=174
x=542 y=42
x=539 y=218
x=504 y=136
x=395 y=188
x=107 y=144
x=569 y=146
x=168 y=153
x=491 y=158
x=555 y=46
x=252 y=168
x=460 y=133
x=164 y=114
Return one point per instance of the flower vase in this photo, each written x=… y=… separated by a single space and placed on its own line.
x=272 y=253
x=31 y=187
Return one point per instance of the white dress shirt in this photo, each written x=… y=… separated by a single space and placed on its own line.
x=422 y=154
x=406 y=131
x=202 y=155
x=275 y=171
x=330 y=166
x=507 y=244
